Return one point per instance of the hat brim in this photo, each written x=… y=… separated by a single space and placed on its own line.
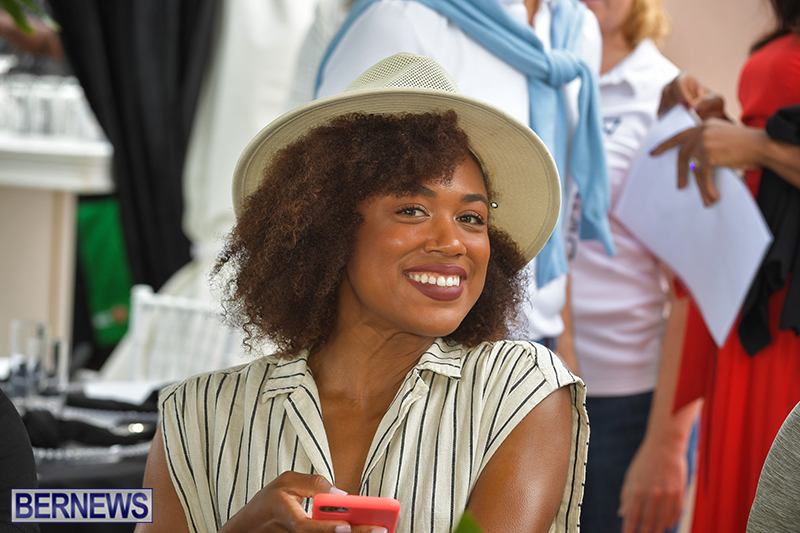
x=521 y=172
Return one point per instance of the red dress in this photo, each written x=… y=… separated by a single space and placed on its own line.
x=746 y=398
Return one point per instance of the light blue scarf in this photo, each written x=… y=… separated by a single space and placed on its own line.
x=488 y=22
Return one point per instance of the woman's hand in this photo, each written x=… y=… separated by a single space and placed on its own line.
x=686 y=90
x=651 y=498
x=278 y=508
x=652 y=493
x=714 y=143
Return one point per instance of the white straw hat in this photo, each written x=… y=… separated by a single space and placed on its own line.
x=520 y=170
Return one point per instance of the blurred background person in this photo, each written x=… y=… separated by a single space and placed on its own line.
x=752 y=382
x=618 y=306
x=328 y=18
x=500 y=51
x=246 y=86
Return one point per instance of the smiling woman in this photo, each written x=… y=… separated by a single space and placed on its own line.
x=356 y=164
x=379 y=240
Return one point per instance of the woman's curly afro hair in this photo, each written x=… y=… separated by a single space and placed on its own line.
x=283 y=262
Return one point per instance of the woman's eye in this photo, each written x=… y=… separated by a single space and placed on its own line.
x=473 y=219
x=411 y=211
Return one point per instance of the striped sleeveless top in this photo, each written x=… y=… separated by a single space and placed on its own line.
x=229 y=433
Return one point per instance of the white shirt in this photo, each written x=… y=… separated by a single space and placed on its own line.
x=389 y=27
x=229 y=433
x=619 y=303
x=328 y=18
x=236 y=101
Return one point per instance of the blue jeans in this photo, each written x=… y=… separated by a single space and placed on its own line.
x=617 y=426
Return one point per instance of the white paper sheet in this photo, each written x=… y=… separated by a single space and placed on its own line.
x=134 y=392
x=716 y=251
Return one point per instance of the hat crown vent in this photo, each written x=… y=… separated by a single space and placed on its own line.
x=405 y=70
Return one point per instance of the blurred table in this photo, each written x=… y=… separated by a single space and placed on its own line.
x=77 y=465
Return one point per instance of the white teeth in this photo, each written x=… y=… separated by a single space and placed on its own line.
x=433 y=279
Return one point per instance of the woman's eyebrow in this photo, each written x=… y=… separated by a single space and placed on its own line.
x=476 y=197
x=467 y=198
x=425 y=191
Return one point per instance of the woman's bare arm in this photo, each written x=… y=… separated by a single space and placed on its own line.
x=168 y=512
x=520 y=489
x=565 y=345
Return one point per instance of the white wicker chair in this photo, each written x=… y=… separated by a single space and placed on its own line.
x=172 y=338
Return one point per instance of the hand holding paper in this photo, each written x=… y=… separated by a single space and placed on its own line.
x=715 y=250
x=713 y=143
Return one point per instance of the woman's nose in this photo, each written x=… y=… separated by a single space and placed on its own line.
x=445 y=237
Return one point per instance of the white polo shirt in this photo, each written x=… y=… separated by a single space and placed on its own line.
x=619 y=303
x=389 y=27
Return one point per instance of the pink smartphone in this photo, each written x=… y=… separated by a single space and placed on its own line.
x=358 y=510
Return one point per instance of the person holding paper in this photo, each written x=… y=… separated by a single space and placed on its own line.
x=637 y=469
x=752 y=382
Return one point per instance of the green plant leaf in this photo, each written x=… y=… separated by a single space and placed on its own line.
x=467 y=524
x=13 y=8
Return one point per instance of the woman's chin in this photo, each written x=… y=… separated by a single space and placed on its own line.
x=436 y=328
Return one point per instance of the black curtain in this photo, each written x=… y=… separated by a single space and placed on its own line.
x=141 y=65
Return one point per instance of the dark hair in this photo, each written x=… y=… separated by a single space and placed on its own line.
x=284 y=260
x=787 y=13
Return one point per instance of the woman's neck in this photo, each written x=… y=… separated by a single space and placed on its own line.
x=615 y=48
x=358 y=375
x=361 y=364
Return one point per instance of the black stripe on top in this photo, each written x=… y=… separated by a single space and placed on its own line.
x=256 y=403
x=520 y=406
x=175 y=477
x=310 y=434
x=519 y=360
x=278 y=447
x=575 y=463
x=419 y=452
x=391 y=426
x=453 y=449
x=239 y=451
x=400 y=460
x=267 y=441
x=436 y=457
x=213 y=494
x=225 y=435
x=553 y=364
